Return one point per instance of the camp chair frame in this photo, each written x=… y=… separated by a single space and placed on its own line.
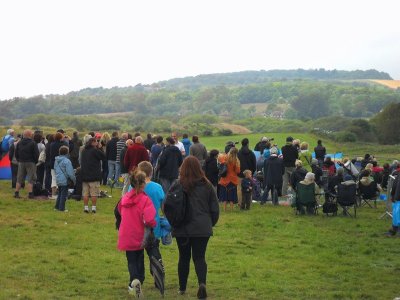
x=367 y=194
x=347 y=198
x=305 y=196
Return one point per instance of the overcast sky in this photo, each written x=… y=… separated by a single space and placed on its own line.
x=57 y=46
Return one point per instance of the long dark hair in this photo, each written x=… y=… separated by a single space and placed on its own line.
x=190 y=173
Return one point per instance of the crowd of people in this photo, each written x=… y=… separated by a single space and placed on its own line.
x=144 y=169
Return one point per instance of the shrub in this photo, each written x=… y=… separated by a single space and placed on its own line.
x=345 y=136
x=225 y=132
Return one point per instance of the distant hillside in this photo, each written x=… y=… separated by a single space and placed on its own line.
x=218 y=95
x=248 y=77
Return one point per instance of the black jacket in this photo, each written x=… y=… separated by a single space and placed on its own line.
x=54 y=151
x=169 y=162
x=148 y=143
x=247 y=160
x=260 y=146
x=111 y=149
x=289 y=154
x=91 y=158
x=121 y=160
x=204 y=212
x=273 y=171
x=318 y=174
x=211 y=170
x=27 y=151
x=320 y=152
x=297 y=176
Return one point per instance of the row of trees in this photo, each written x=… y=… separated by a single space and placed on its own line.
x=383 y=127
x=303 y=99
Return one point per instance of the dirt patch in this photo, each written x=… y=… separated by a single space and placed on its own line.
x=393 y=84
x=236 y=129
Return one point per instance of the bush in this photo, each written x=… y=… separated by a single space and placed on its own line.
x=225 y=132
x=345 y=136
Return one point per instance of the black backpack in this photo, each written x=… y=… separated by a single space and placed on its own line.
x=176 y=206
x=329 y=207
x=222 y=170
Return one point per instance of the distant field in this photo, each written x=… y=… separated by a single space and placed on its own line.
x=393 y=84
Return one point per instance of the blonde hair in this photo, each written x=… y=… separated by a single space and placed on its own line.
x=232 y=158
x=304 y=146
x=245 y=172
x=138 y=180
x=296 y=142
x=298 y=163
x=105 y=138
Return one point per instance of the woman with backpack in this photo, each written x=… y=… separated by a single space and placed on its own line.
x=192 y=236
x=228 y=183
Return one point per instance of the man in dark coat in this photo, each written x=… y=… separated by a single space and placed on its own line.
x=248 y=161
x=273 y=171
x=27 y=155
x=169 y=162
x=91 y=159
x=320 y=152
x=111 y=156
x=289 y=156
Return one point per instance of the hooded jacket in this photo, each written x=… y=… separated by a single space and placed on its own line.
x=64 y=170
x=91 y=159
x=169 y=161
x=205 y=212
x=27 y=151
x=186 y=143
x=137 y=211
x=247 y=160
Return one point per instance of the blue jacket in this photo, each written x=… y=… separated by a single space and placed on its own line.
x=186 y=143
x=64 y=170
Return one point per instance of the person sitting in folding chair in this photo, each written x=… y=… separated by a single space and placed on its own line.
x=368 y=188
x=305 y=195
x=346 y=195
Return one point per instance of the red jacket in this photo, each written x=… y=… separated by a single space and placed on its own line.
x=134 y=155
x=136 y=212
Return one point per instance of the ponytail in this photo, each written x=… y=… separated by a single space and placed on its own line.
x=138 y=180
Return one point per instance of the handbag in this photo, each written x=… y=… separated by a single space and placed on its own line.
x=70 y=182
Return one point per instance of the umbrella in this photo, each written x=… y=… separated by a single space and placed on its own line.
x=157 y=269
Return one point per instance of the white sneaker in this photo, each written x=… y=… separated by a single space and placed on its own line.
x=136 y=289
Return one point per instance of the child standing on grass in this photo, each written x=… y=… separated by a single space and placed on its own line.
x=137 y=211
x=64 y=171
x=247 y=189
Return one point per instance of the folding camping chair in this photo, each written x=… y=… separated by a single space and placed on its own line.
x=368 y=194
x=346 y=197
x=305 y=197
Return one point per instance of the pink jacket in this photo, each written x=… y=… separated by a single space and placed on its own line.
x=136 y=212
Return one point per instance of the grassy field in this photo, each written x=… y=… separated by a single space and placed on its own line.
x=265 y=253
x=384 y=153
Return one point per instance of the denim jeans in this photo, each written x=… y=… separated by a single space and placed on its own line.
x=112 y=169
x=61 y=197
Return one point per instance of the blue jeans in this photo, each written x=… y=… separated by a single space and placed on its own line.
x=117 y=172
x=112 y=169
x=62 y=197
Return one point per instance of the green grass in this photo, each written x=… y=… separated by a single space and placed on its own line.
x=384 y=153
x=265 y=253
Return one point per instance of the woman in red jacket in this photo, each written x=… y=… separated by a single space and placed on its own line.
x=137 y=211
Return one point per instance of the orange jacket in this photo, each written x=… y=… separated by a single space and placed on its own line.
x=232 y=174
